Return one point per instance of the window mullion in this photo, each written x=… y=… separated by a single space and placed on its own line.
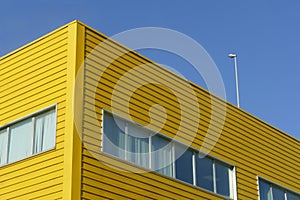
x=194 y=168
x=32 y=139
x=214 y=176
x=173 y=159
x=271 y=191
x=7 y=145
x=150 y=152
x=126 y=142
x=232 y=185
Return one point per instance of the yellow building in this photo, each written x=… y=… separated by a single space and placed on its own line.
x=83 y=117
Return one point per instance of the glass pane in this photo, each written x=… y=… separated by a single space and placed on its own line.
x=278 y=193
x=162 y=155
x=20 y=140
x=3 y=146
x=222 y=179
x=45 y=131
x=114 y=136
x=204 y=173
x=264 y=190
x=138 y=146
x=184 y=164
x=292 y=196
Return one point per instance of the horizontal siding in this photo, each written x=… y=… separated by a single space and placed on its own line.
x=31 y=79
x=254 y=147
x=120 y=179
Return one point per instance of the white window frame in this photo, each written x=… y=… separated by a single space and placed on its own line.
x=32 y=116
x=272 y=183
x=231 y=167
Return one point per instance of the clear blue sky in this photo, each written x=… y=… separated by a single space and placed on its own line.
x=265 y=35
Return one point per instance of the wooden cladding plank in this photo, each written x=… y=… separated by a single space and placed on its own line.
x=39 y=70
x=94 y=193
x=32 y=191
x=32 y=163
x=53 y=192
x=30 y=104
x=115 y=187
x=19 y=185
x=23 y=176
x=50 y=83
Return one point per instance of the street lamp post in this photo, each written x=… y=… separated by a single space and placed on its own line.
x=236 y=78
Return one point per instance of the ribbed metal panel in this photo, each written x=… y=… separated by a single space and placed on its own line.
x=254 y=147
x=31 y=79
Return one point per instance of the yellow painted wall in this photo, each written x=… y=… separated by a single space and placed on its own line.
x=254 y=147
x=32 y=78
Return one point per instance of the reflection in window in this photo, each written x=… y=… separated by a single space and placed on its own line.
x=271 y=191
x=3 y=146
x=292 y=196
x=114 y=137
x=30 y=136
x=184 y=164
x=222 y=179
x=264 y=190
x=20 y=144
x=44 y=131
x=138 y=146
x=204 y=171
x=162 y=157
x=277 y=193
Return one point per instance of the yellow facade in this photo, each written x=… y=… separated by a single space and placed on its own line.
x=84 y=73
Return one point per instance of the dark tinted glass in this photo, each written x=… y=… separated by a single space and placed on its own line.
x=204 y=173
x=162 y=152
x=114 y=136
x=278 y=193
x=184 y=164
x=264 y=190
x=292 y=196
x=222 y=179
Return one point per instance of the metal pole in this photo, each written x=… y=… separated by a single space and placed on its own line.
x=236 y=78
x=236 y=82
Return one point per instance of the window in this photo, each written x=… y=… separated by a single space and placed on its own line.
x=3 y=146
x=162 y=155
x=123 y=141
x=27 y=137
x=184 y=164
x=222 y=179
x=205 y=173
x=20 y=141
x=271 y=191
x=133 y=143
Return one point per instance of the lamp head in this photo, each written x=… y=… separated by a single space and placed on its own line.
x=231 y=55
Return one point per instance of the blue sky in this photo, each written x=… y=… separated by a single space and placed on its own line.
x=264 y=34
